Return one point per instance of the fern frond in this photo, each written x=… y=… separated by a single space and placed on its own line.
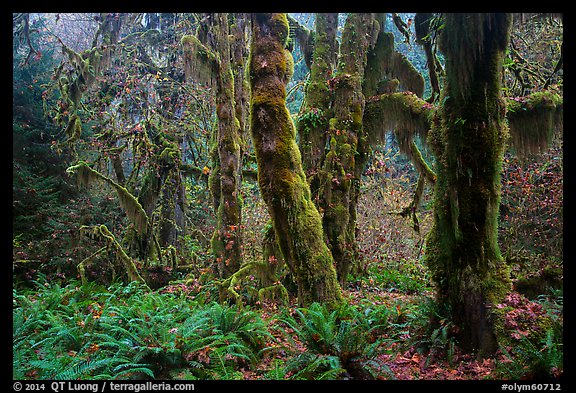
x=84 y=369
x=129 y=368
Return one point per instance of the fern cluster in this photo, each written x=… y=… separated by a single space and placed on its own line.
x=341 y=344
x=128 y=332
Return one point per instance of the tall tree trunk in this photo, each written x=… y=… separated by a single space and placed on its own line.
x=313 y=122
x=226 y=240
x=281 y=178
x=345 y=130
x=468 y=140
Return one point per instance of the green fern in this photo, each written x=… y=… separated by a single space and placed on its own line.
x=83 y=369
x=314 y=366
x=343 y=334
x=127 y=331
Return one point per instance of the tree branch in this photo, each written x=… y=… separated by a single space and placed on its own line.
x=533 y=120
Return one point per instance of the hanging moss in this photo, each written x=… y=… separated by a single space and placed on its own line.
x=200 y=62
x=405 y=113
x=74 y=129
x=385 y=63
x=533 y=120
x=128 y=202
x=469 y=40
x=101 y=232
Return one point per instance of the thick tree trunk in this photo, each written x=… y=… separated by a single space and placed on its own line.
x=345 y=130
x=281 y=179
x=468 y=140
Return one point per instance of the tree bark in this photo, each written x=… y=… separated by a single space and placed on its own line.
x=281 y=178
x=227 y=237
x=468 y=139
x=344 y=161
x=313 y=122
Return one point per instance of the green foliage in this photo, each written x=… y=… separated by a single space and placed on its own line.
x=339 y=343
x=128 y=332
x=543 y=360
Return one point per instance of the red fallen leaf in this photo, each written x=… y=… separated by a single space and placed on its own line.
x=402 y=360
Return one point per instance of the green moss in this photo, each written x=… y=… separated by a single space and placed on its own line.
x=128 y=202
x=200 y=62
x=102 y=232
x=384 y=63
x=405 y=113
x=74 y=129
x=282 y=181
x=468 y=138
x=533 y=120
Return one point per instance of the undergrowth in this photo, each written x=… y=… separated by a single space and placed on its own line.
x=127 y=331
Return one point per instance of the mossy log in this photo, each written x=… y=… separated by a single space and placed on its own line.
x=282 y=181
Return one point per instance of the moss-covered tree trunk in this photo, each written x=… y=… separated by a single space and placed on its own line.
x=317 y=108
x=282 y=181
x=226 y=240
x=210 y=58
x=345 y=131
x=468 y=140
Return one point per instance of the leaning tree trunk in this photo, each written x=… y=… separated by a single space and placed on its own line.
x=281 y=178
x=468 y=140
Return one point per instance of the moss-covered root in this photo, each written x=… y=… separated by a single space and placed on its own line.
x=469 y=139
x=281 y=179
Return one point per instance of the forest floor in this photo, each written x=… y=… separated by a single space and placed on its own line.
x=139 y=333
x=401 y=363
x=408 y=355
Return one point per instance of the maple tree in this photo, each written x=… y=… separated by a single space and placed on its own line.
x=387 y=197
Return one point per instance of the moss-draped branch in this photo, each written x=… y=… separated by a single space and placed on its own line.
x=533 y=120
x=128 y=202
x=101 y=232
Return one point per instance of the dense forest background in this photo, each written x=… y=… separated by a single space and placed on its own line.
x=146 y=243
